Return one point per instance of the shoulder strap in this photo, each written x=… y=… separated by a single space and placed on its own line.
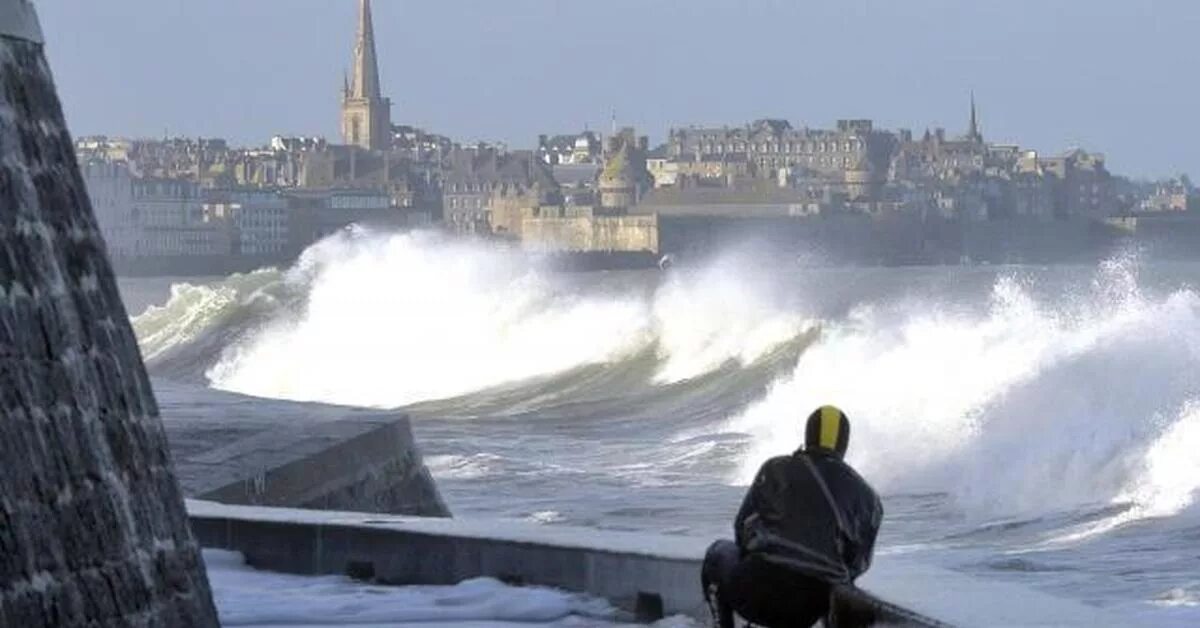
x=833 y=505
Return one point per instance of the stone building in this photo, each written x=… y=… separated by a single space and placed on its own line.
x=771 y=145
x=316 y=213
x=110 y=187
x=418 y=145
x=172 y=222
x=1083 y=183
x=1172 y=195
x=257 y=220
x=624 y=178
x=485 y=189
x=366 y=114
x=408 y=184
x=584 y=148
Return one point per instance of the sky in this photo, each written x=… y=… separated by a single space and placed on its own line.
x=1117 y=77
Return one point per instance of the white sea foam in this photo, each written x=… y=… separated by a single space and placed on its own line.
x=194 y=309
x=546 y=516
x=392 y=319
x=376 y=319
x=1165 y=482
x=1095 y=390
x=723 y=312
x=463 y=467
x=1030 y=407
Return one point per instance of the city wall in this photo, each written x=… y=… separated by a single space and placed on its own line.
x=631 y=234
x=1160 y=236
x=849 y=239
x=811 y=241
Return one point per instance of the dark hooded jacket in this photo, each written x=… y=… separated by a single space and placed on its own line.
x=812 y=513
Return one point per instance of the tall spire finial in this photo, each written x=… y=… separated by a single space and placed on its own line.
x=366 y=68
x=973 y=132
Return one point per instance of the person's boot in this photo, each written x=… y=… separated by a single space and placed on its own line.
x=722 y=614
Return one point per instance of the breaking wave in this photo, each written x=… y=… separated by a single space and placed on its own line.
x=382 y=320
x=1080 y=399
x=1036 y=405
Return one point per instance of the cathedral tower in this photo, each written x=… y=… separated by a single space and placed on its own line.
x=366 y=114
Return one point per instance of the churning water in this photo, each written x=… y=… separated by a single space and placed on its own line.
x=1035 y=424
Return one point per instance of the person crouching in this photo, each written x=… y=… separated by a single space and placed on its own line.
x=808 y=522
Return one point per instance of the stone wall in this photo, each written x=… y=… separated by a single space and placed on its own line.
x=592 y=234
x=92 y=525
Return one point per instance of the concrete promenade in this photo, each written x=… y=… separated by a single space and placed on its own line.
x=649 y=575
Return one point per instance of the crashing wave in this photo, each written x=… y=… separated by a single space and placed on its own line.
x=1035 y=405
x=386 y=319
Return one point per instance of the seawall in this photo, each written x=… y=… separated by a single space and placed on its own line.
x=648 y=574
x=591 y=234
x=237 y=450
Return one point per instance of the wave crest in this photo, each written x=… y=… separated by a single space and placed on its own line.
x=386 y=319
x=1034 y=405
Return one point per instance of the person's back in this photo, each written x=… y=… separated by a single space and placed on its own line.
x=808 y=521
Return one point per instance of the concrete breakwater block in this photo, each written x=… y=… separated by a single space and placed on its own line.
x=241 y=450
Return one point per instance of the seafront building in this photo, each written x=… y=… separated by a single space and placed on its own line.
x=899 y=196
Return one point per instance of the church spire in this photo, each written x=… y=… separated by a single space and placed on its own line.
x=366 y=68
x=366 y=114
x=973 y=133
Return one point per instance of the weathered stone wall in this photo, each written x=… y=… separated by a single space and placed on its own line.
x=92 y=525
x=592 y=234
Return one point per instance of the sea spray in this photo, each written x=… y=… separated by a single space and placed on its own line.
x=1036 y=405
x=1089 y=384
x=196 y=310
x=389 y=319
x=725 y=311
x=385 y=319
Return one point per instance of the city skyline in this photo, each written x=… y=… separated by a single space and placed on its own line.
x=1103 y=79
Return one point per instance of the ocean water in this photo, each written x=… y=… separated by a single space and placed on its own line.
x=1037 y=425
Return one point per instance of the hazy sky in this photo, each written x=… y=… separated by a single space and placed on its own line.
x=1114 y=76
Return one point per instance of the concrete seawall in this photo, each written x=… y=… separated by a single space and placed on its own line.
x=639 y=572
x=650 y=575
x=238 y=450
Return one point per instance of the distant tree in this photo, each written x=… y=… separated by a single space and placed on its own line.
x=1186 y=182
